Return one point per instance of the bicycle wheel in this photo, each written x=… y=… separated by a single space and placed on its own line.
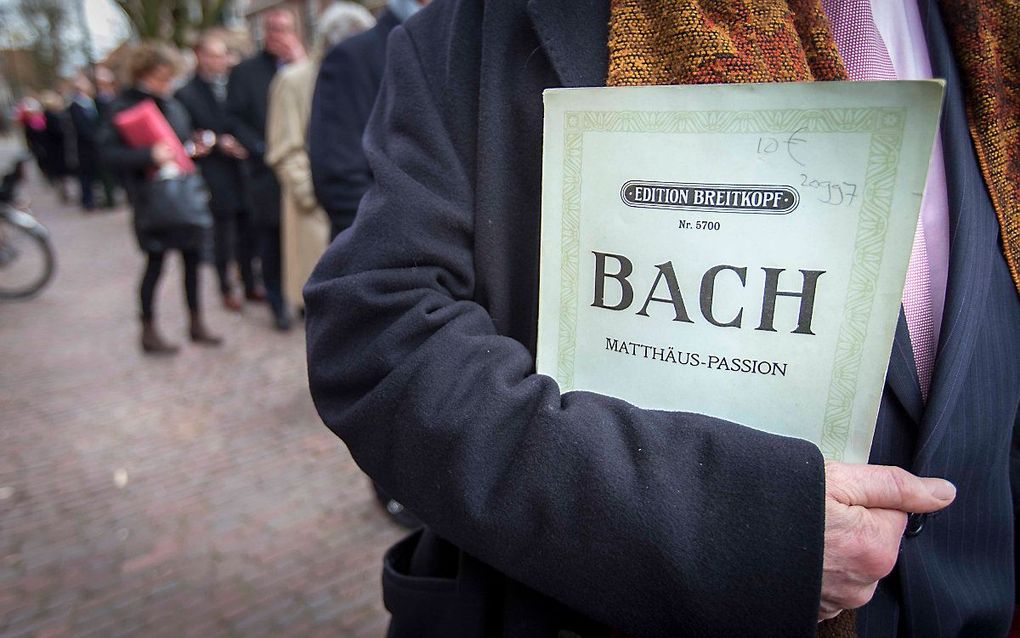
x=26 y=261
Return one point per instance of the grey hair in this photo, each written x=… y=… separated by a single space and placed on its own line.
x=340 y=21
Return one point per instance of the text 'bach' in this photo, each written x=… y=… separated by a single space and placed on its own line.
x=665 y=289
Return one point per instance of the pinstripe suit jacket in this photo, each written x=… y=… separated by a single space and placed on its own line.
x=956 y=577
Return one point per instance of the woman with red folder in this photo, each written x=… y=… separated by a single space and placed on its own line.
x=128 y=142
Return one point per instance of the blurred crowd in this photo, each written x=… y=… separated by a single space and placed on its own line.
x=260 y=165
x=59 y=128
x=244 y=122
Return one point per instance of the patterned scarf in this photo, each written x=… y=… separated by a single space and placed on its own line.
x=714 y=41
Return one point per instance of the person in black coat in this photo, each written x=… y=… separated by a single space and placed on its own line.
x=204 y=97
x=85 y=119
x=33 y=126
x=549 y=513
x=56 y=141
x=345 y=91
x=247 y=107
x=105 y=94
x=153 y=68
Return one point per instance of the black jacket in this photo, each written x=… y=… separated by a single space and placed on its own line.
x=103 y=104
x=86 y=127
x=134 y=165
x=560 y=508
x=222 y=173
x=56 y=141
x=421 y=333
x=345 y=91
x=247 y=107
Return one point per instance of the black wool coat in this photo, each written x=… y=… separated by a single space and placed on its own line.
x=578 y=512
x=222 y=173
x=568 y=512
x=134 y=166
x=86 y=124
x=56 y=141
x=345 y=92
x=247 y=107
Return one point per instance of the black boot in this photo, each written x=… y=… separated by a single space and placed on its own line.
x=282 y=321
x=153 y=342
x=200 y=333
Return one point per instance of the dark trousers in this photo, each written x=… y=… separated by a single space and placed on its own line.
x=153 y=272
x=109 y=182
x=86 y=178
x=270 y=255
x=234 y=242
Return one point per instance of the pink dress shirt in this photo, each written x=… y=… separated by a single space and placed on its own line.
x=899 y=23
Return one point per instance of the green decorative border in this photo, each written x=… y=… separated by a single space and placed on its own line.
x=886 y=126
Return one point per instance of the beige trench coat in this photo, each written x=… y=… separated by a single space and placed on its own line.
x=304 y=226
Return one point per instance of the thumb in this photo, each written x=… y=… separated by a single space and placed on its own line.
x=887 y=487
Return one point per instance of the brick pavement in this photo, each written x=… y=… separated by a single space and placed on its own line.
x=197 y=495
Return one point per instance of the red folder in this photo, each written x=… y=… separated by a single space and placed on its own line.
x=144 y=125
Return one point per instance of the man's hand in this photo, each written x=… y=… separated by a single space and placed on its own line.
x=230 y=146
x=866 y=509
x=204 y=142
x=288 y=48
x=295 y=51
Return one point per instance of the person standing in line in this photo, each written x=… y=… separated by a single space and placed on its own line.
x=85 y=119
x=247 y=106
x=106 y=89
x=33 y=126
x=204 y=97
x=55 y=137
x=305 y=227
x=345 y=91
x=106 y=93
x=153 y=68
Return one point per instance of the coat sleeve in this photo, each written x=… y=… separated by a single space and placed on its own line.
x=653 y=522
x=239 y=100
x=184 y=97
x=83 y=127
x=116 y=154
x=285 y=141
x=180 y=119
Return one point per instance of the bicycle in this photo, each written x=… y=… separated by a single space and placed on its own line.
x=27 y=260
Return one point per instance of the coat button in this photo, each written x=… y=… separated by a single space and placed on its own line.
x=915 y=524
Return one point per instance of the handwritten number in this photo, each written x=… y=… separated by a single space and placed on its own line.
x=831 y=193
x=853 y=191
x=838 y=189
x=767 y=145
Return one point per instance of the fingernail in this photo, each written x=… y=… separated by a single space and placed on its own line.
x=941 y=489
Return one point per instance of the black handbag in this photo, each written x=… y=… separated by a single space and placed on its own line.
x=177 y=202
